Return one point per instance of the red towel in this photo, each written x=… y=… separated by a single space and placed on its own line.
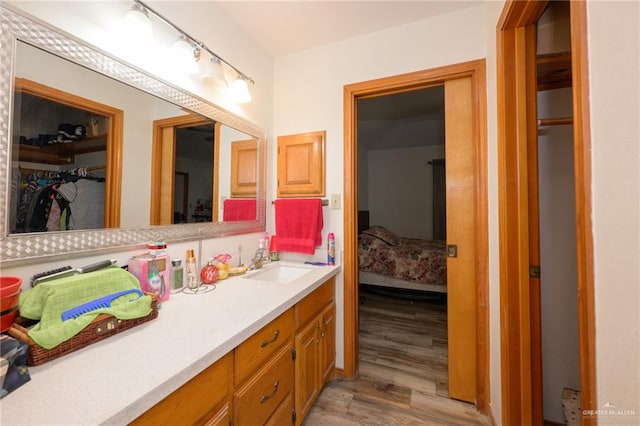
x=239 y=209
x=299 y=224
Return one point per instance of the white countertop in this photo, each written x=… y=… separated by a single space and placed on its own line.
x=121 y=377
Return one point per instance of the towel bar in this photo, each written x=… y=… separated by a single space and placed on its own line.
x=325 y=202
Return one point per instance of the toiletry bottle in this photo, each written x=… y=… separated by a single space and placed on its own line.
x=177 y=276
x=273 y=250
x=153 y=280
x=331 y=249
x=193 y=281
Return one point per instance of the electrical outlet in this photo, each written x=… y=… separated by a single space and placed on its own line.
x=335 y=201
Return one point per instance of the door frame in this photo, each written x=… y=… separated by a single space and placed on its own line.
x=476 y=70
x=519 y=354
x=163 y=155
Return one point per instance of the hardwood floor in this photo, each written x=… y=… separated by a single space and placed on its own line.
x=403 y=368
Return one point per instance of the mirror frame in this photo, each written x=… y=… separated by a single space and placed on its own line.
x=17 y=26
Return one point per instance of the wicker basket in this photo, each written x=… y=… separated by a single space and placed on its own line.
x=102 y=327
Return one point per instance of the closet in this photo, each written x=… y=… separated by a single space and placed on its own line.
x=557 y=228
x=60 y=161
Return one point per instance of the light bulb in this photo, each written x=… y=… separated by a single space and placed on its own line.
x=183 y=56
x=240 y=90
x=137 y=23
x=214 y=70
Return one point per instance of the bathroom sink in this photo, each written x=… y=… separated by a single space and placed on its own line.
x=278 y=273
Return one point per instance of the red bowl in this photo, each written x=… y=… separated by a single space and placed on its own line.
x=9 y=296
x=9 y=285
x=6 y=320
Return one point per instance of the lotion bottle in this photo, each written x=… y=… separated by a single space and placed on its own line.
x=193 y=281
x=177 y=276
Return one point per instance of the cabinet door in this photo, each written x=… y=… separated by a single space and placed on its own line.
x=307 y=369
x=244 y=168
x=301 y=165
x=327 y=343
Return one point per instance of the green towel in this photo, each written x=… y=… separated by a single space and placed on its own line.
x=48 y=300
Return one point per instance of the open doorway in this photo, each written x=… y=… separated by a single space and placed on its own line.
x=466 y=113
x=402 y=238
x=519 y=281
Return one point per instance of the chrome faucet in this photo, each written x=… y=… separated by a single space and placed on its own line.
x=258 y=259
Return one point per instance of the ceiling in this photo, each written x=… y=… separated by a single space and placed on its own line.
x=283 y=27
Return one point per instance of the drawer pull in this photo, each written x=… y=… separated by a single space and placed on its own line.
x=275 y=337
x=264 y=398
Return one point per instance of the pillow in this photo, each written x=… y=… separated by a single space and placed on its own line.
x=383 y=234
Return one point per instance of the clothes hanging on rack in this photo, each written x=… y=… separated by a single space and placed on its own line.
x=42 y=207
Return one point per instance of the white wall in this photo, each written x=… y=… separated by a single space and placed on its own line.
x=614 y=67
x=400 y=188
x=308 y=93
x=559 y=289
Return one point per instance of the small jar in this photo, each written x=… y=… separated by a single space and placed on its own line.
x=177 y=276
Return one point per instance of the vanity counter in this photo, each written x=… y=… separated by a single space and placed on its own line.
x=116 y=380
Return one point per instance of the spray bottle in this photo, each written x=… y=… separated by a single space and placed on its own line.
x=331 y=249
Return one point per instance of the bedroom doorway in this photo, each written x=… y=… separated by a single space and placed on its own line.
x=466 y=136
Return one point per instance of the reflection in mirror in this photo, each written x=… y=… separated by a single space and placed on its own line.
x=60 y=170
x=195 y=159
x=216 y=165
x=114 y=107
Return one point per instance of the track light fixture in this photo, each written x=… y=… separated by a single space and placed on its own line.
x=189 y=50
x=137 y=22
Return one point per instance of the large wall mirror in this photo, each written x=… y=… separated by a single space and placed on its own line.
x=165 y=164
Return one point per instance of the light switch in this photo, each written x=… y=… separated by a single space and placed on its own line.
x=335 y=201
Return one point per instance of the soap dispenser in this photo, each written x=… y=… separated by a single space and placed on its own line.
x=156 y=283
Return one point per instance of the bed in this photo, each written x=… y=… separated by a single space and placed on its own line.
x=387 y=260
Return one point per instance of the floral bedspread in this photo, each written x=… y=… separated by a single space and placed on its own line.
x=408 y=259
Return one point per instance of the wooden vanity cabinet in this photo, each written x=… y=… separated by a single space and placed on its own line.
x=271 y=378
x=315 y=346
x=204 y=400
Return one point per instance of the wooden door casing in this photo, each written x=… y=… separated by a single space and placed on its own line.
x=515 y=37
x=403 y=83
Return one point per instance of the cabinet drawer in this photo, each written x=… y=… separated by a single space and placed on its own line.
x=259 y=398
x=197 y=400
x=283 y=414
x=311 y=305
x=257 y=349
x=221 y=418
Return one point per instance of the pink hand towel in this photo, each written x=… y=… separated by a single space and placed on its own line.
x=239 y=209
x=299 y=224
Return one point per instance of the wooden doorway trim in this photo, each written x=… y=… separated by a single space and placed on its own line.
x=397 y=84
x=163 y=155
x=515 y=41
